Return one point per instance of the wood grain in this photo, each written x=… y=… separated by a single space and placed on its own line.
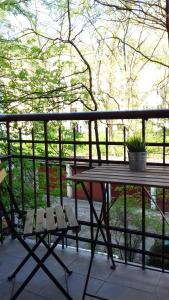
x=40 y=220
x=153 y=176
x=29 y=221
x=60 y=216
x=70 y=216
x=50 y=218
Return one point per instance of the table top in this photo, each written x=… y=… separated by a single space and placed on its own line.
x=157 y=176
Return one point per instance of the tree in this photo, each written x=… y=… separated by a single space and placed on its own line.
x=93 y=52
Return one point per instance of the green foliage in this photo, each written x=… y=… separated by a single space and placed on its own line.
x=132 y=217
x=156 y=261
x=28 y=182
x=135 y=144
x=56 y=53
x=27 y=194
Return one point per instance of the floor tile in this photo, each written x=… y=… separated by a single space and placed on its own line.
x=74 y=285
x=130 y=276
x=113 y=291
x=126 y=282
x=163 y=286
x=100 y=267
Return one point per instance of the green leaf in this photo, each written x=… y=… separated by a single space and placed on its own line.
x=23 y=74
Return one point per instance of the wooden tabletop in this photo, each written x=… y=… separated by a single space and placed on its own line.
x=157 y=176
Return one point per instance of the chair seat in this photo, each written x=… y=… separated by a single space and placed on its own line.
x=50 y=219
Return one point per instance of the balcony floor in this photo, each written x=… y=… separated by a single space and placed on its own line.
x=125 y=283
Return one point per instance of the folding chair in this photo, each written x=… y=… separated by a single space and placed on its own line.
x=40 y=223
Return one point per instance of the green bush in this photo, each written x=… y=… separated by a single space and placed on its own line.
x=157 y=261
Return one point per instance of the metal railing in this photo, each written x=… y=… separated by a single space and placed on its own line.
x=46 y=146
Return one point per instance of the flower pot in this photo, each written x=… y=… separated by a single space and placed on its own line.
x=137 y=161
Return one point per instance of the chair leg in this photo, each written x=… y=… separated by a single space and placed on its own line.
x=40 y=264
x=54 y=280
x=19 y=267
x=41 y=240
x=57 y=258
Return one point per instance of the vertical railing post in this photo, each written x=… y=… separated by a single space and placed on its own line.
x=163 y=203
x=21 y=169
x=75 y=186
x=144 y=130
x=91 y=186
x=143 y=205
x=164 y=141
x=9 y=166
x=124 y=147
x=9 y=153
x=125 y=202
x=125 y=222
x=46 y=162
x=60 y=165
x=34 y=169
x=107 y=146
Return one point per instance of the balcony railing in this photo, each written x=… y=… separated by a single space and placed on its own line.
x=44 y=147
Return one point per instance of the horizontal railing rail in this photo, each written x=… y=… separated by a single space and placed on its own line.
x=92 y=115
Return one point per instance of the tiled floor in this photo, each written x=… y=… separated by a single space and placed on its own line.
x=126 y=282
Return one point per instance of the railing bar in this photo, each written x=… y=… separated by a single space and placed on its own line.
x=107 y=145
x=75 y=186
x=143 y=130
x=71 y=142
x=113 y=143
x=60 y=174
x=164 y=144
x=60 y=166
x=10 y=168
x=85 y=160
x=91 y=185
x=143 y=227
x=124 y=137
x=163 y=205
x=143 y=203
x=34 y=170
x=102 y=243
x=106 y=192
x=125 y=221
x=46 y=163
x=74 y=151
x=163 y=230
x=127 y=230
x=21 y=169
x=104 y=115
x=90 y=143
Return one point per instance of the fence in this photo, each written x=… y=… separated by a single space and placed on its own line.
x=36 y=141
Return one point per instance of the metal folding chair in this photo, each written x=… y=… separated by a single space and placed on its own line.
x=40 y=223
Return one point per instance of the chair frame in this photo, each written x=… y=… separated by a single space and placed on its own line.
x=40 y=239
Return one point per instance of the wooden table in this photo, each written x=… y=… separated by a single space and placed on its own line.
x=153 y=176
x=157 y=176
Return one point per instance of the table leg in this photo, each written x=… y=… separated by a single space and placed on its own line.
x=106 y=209
x=107 y=238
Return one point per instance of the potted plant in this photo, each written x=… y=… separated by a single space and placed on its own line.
x=136 y=153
